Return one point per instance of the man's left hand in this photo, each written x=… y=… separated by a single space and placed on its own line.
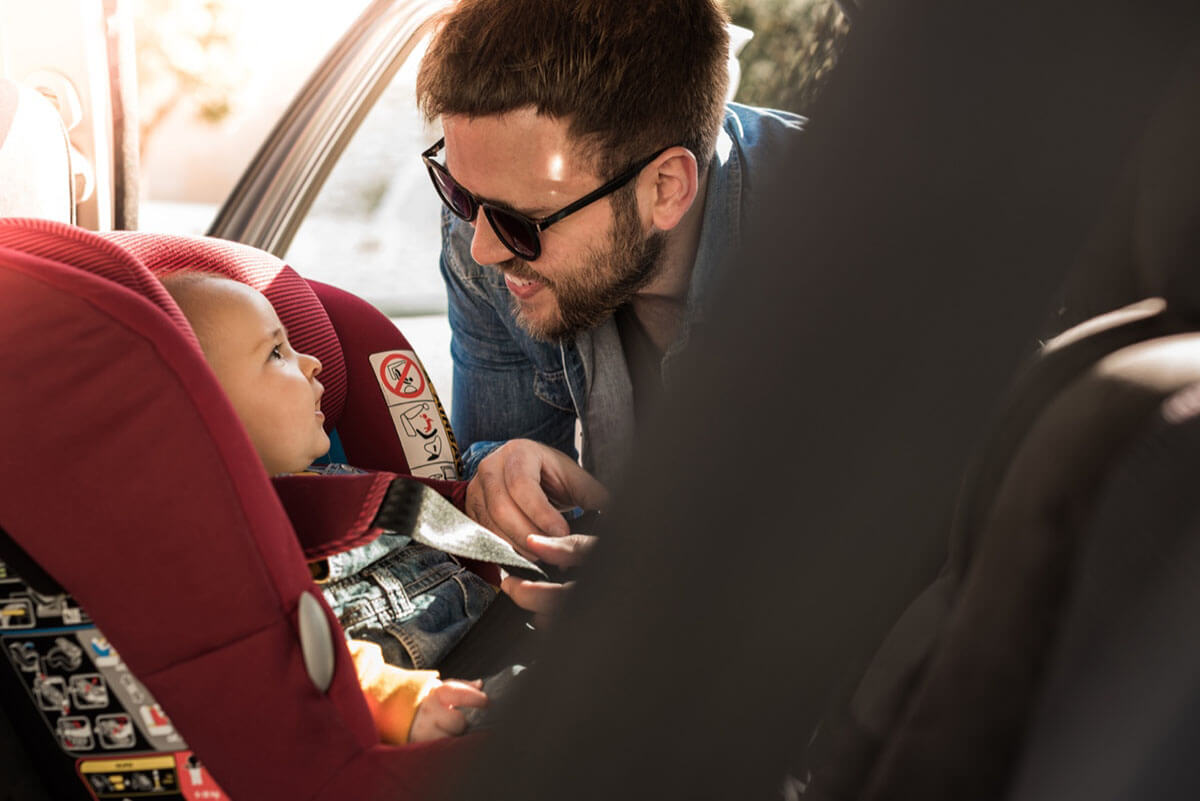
x=543 y=597
x=517 y=487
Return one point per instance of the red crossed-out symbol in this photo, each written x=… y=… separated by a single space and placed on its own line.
x=401 y=375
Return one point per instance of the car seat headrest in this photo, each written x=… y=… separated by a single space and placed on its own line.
x=309 y=327
x=1167 y=217
x=1146 y=243
x=35 y=158
x=68 y=244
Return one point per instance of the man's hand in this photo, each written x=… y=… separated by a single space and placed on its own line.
x=518 y=486
x=438 y=714
x=562 y=552
x=543 y=597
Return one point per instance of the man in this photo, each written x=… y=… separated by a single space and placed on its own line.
x=593 y=179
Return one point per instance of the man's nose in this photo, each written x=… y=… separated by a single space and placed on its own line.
x=486 y=247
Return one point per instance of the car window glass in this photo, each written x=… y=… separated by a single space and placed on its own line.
x=373 y=229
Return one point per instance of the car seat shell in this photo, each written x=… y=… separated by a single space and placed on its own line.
x=131 y=482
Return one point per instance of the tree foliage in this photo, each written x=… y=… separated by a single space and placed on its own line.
x=186 y=53
x=795 y=45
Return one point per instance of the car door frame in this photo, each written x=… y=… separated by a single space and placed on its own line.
x=274 y=194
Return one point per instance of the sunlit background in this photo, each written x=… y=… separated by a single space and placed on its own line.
x=214 y=75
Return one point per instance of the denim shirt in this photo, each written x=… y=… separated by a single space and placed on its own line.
x=508 y=385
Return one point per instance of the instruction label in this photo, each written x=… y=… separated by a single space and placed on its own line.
x=99 y=716
x=417 y=414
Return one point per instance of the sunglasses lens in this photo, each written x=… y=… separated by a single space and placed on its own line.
x=516 y=233
x=453 y=195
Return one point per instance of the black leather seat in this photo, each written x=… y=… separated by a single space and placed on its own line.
x=944 y=708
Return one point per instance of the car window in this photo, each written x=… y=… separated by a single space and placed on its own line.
x=374 y=227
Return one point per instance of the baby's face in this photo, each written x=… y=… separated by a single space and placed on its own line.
x=274 y=389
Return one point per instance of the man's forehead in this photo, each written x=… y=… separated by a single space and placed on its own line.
x=520 y=159
x=524 y=135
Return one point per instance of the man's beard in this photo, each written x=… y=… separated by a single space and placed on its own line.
x=603 y=282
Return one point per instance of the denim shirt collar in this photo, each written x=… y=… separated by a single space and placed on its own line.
x=607 y=411
x=720 y=234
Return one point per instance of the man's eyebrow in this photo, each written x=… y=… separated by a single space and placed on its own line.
x=536 y=213
x=533 y=214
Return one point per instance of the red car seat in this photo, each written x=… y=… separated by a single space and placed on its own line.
x=129 y=480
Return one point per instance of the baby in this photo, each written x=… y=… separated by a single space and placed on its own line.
x=277 y=397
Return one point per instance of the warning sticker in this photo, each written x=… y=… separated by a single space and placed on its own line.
x=93 y=707
x=417 y=415
x=16 y=613
x=85 y=693
x=22 y=607
x=153 y=776
x=175 y=776
x=116 y=731
x=401 y=375
x=194 y=781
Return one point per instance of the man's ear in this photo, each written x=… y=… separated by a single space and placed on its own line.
x=668 y=187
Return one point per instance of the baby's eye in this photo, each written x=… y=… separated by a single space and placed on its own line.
x=276 y=352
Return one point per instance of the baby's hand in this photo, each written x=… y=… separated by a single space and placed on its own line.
x=438 y=715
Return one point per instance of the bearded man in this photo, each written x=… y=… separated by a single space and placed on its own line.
x=595 y=183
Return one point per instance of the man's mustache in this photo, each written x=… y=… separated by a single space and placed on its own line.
x=519 y=268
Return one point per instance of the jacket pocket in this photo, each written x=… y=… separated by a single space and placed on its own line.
x=551 y=388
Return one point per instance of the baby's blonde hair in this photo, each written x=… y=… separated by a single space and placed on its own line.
x=184 y=287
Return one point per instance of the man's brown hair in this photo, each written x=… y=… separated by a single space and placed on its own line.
x=630 y=77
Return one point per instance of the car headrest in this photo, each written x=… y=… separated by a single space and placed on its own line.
x=35 y=159
x=1166 y=225
x=1146 y=243
x=87 y=251
x=308 y=326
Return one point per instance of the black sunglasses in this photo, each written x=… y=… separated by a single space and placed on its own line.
x=517 y=232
